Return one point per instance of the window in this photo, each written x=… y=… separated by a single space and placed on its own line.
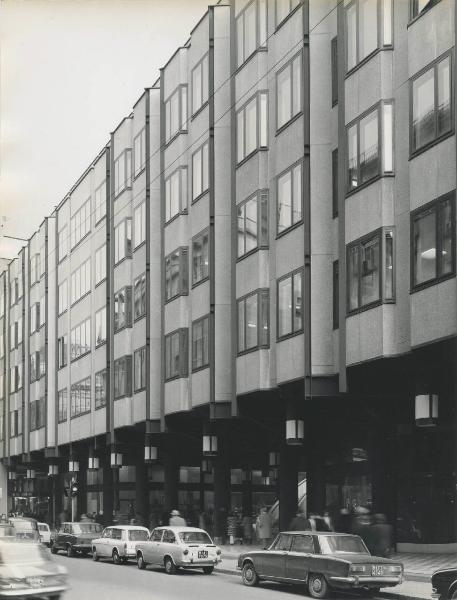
x=336 y=295
x=34 y=269
x=100 y=202
x=37 y=414
x=251 y=30
x=139 y=296
x=15 y=378
x=252 y=217
x=100 y=326
x=433 y=241
x=370 y=146
x=290 y=304
x=289 y=91
x=420 y=6
x=80 y=224
x=100 y=389
x=140 y=369
x=63 y=297
x=19 y=331
x=123 y=172
x=35 y=317
x=2 y=297
x=2 y=345
x=176 y=273
x=34 y=366
x=80 y=282
x=253 y=321
x=290 y=198
x=251 y=126
x=139 y=152
x=63 y=405
x=63 y=243
x=176 y=354
x=80 y=397
x=334 y=61
x=431 y=104
x=42 y=311
x=62 y=351
x=15 y=423
x=302 y=543
x=200 y=84
x=140 y=224
x=200 y=257
x=176 y=113
x=123 y=240
x=123 y=308
x=335 y=182
x=123 y=377
x=13 y=291
x=200 y=343
x=364 y=28
x=284 y=8
x=100 y=264
x=80 y=340
x=176 y=193
x=370 y=270
x=200 y=181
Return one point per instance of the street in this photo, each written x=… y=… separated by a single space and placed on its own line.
x=104 y=580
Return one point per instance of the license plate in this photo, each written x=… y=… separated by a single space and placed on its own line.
x=35 y=582
x=203 y=554
x=377 y=570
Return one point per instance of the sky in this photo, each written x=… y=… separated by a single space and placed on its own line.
x=70 y=70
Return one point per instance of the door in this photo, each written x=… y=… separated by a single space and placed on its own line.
x=103 y=544
x=273 y=562
x=297 y=561
x=151 y=548
x=168 y=545
x=64 y=535
x=116 y=541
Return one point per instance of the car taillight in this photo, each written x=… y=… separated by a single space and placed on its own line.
x=125 y=547
x=219 y=551
x=185 y=552
x=357 y=569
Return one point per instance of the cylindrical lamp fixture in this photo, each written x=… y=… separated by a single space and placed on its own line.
x=426 y=410
x=116 y=460
x=30 y=474
x=273 y=459
x=53 y=470
x=209 y=444
x=295 y=432
x=73 y=466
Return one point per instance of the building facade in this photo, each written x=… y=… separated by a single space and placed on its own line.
x=253 y=285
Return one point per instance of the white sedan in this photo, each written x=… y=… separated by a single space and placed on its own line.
x=118 y=543
x=45 y=533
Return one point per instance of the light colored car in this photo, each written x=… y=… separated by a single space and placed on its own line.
x=178 y=547
x=118 y=543
x=45 y=533
x=28 y=571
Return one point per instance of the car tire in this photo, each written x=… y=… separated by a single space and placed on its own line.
x=170 y=567
x=141 y=562
x=208 y=570
x=317 y=586
x=453 y=596
x=372 y=592
x=95 y=556
x=54 y=549
x=116 y=557
x=70 y=551
x=249 y=575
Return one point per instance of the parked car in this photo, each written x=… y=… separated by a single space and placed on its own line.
x=444 y=584
x=25 y=528
x=323 y=561
x=28 y=571
x=118 y=543
x=76 y=538
x=178 y=547
x=45 y=534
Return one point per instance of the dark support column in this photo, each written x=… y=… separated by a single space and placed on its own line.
x=57 y=491
x=288 y=485
x=315 y=478
x=221 y=498
x=115 y=476
x=141 y=491
x=108 y=494
x=82 y=496
x=247 y=498
x=171 y=472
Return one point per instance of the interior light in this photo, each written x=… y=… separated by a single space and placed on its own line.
x=429 y=254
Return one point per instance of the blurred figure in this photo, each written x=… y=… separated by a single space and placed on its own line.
x=246 y=524
x=343 y=523
x=231 y=527
x=263 y=527
x=300 y=522
x=328 y=520
x=176 y=520
x=381 y=536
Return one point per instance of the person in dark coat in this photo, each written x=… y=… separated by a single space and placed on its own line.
x=300 y=522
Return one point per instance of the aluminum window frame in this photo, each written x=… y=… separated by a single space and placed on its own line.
x=182 y=173
x=293 y=116
x=290 y=169
x=141 y=385
x=183 y=117
x=293 y=332
x=258 y=42
x=140 y=283
x=75 y=299
x=62 y=351
x=102 y=312
x=197 y=323
x=141 y=136
x=242 y=110
x=262 y=199
x=200 y=151
x=100 y=402
x=62 y=405
x=75 y=388
x=126 y=183
x=183 y=275
x=126 y=322
x=205 y=277
x=183 y=345
x=128 y=243
x=123 y=363
x=81 y=324
x=141 y=210
x=263 y=295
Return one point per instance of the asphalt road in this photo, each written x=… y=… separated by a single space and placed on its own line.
x=103 y=580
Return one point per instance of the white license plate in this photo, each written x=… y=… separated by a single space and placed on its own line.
x=202 y=554
x=377 y=570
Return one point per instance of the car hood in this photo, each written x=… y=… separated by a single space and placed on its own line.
x=362 y=558
x=33 y=569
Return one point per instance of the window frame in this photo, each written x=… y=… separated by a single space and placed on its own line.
x=78 y=326
x=278 y=24
x=195 y=324
x=413 y=17
x=100 y=207
x=102 y=311
x=62 y=407
x=127 y=390
x=262 y=199
x=127 y=180
x=207 y=276
x=336 y=294
x=182 y=127
x=73 y=387
x=87 y=291
x=242 y=109
x=335 y=187
x=86 y=207
x=263 y=294
x=139 y=352
x=293 y=332
x=141 y=135
x=182 y=172
x=290 y=169
x=183 y=344
x=204 y=190
x=100 y=403
x=334 y=69
x=143 y=300
x=204 y=102
x=128 y=249
x=141 y=210
x=101 y=249
x=62 y=351
x=64 y=245
x=64 y=286
x=128 y=296
x=289 y=65
x=258 y=45
x=183 y=276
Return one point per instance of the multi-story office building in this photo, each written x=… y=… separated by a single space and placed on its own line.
x=254 y=283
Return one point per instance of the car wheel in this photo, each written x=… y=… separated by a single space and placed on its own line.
x=70 y=551
x=140 y=562
x=54 y=549
x=116 y=558
x=208 y=570
x=95 y=556
x=317 y=586
x=372 y=592
x=249 y=575
x=453 y=596
x=170 y=567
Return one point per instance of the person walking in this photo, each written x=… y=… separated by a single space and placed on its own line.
x=231 y=527
x=263 y=527
x=246 y=524
x=176 y=520
x=300 y=522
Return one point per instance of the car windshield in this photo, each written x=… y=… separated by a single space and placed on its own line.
x=195 y=537
x=87 y=528
x=19 y=553
x=43 y=527
x=138 y=535
x=350 y=544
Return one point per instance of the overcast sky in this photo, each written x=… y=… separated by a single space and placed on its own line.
x=70 y=70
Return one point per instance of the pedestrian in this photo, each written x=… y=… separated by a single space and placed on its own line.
x=231 y=527
x=176 y=520
x=263 y=527
x=300 y=522
x=246 y=523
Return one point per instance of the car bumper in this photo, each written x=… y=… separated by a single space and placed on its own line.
x=199 y=563
x=355 y=581
x=33 y=592
x=436 y=594
x=86 y=547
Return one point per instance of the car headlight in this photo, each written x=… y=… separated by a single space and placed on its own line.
x=358 y=569
x=12 y=583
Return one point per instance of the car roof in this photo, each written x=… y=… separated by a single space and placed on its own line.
x=126 y=527
x=79 y=523
x=183 y=528
x=39 y=523
x=322 y=533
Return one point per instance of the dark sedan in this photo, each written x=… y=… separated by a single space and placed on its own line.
x=444 y=584
x=76 y=538
x=323 y=561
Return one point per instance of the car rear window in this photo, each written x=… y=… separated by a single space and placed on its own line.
x=350 y=544
x=86 y=528
x=195 y=537
x=138 y=535
x=43 y=527
x=20 y=553
x=24 y=525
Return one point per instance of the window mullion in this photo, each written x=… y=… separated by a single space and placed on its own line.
x=435 y=96
x=292 y=294
x=359 y=275
x=291 y=102
x=439 y=232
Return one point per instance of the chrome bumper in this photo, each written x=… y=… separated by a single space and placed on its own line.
x=33 y=592
x=355 y=580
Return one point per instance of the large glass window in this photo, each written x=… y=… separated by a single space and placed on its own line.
x=63 y=297
x=290 y=304
x=34 y=269
x=63 y=405
x=251 y=29
x=123 y=240
x=63 y=243
x=140 y=369
x=431 y=104
x=370 y=146
x=335 y=182
x=200 y=343
x=176 y=273
x=289 y=91
x=252 y=126
x=100 y=389
x=100 y=264
x=365 y=31
x=176 y=193
x=36 y=414
x=140 y=224
x=419 y=6
x=334 y=61
x=100 y=326
x=123 y=377
x=139 y=152
x=123 y=172
x=370 y=264
x=336 y=295
x=80 y=281
x=35 y=317
x=80 y=224
x=123 y=308
x=433 y=241
x=290 y=197
x=200 y=257
x=80 y=399
x=62 y=351
x=200 y=166
x=253 y=321
x=200 y=84
x=139 y=296
x=176 y=354
x=176 y=113
x=252 y=218
x=80 y=340
x=100 y=202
